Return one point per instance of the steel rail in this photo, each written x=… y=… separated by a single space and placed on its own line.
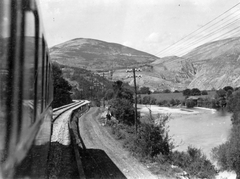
x=67 y=109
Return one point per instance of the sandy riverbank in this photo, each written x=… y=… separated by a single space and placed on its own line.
x=157 y=109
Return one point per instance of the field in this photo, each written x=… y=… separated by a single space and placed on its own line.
x=179 y=96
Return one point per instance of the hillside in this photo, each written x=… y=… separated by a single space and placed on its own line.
x=217 y=64
x=212 y=65
x=98 y=55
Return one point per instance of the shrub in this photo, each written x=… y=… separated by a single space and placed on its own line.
x=228 y=154
x=190 y=103
x=123 y=110
x=173 y=102
x=194 y=163
x=151 y=140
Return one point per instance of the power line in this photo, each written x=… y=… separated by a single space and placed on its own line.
x=229 y=23
x=189 y=36
x=207 y=37
x=169 y=47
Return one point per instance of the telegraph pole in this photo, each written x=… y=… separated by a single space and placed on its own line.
x=135 y=88
x=135 y=94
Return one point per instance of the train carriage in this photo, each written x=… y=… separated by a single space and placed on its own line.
x=25 y=91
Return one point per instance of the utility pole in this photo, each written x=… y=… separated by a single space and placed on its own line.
x=135 y=89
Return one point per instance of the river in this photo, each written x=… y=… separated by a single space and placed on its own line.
x=198 y=127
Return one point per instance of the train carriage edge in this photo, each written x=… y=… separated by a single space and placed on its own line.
x=26 y=91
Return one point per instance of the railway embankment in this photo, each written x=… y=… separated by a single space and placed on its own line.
x=62 y=158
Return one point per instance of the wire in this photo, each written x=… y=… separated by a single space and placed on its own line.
x=212 y=32
x=194 y=32
x=206 y=38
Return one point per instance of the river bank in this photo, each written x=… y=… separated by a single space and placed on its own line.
x=199 y=127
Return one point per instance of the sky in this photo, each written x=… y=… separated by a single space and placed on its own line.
x=146 y=25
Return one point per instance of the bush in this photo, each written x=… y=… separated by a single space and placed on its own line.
x=190 y=103
x=122 y=110
x=194 y=163
x=173 y=102
x=228 y=154
x=151 y=140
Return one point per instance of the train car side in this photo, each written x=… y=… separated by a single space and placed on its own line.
x=26 y=91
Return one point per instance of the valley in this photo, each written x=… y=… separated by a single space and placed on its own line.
x=209 y=66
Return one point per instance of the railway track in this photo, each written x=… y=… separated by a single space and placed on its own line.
x=57 y=112
x=63 y=158
x=61 y=119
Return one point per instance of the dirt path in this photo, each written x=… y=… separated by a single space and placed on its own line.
x=96 y=137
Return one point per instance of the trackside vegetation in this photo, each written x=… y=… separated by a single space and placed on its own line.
x=151 y=144
x=228 y=154
x=61 y=87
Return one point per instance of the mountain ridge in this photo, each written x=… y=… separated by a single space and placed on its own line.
x=212 y=65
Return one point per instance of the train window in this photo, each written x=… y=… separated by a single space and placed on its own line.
x=29 y=76
x=43 y=72
x=50 y=88
x=40 y=77
x=4 y=36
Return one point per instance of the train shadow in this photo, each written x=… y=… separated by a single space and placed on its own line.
x=97 y=164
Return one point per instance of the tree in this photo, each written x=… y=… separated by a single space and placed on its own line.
x=173 y=102
x=228 y=154
x=220 y=97
x=167 y=91
x=227 y=88
x=122 y=103
x=190 y=103
x=62 y=89
x=221 y=93
x=123 y=110
x=144 y=90
x=146 y=100
x=109 y=94
x=117 y=87
x=204 y=92
x=195 y=92
x=186 y=92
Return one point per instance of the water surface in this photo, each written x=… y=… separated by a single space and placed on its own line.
x=201 y=128
x=206 y=129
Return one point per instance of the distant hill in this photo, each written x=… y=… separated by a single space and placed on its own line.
x=98 y=55
x=217 y=64
x=212 y=65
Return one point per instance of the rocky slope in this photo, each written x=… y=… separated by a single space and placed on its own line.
x=217 y=64
x=212 y=65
